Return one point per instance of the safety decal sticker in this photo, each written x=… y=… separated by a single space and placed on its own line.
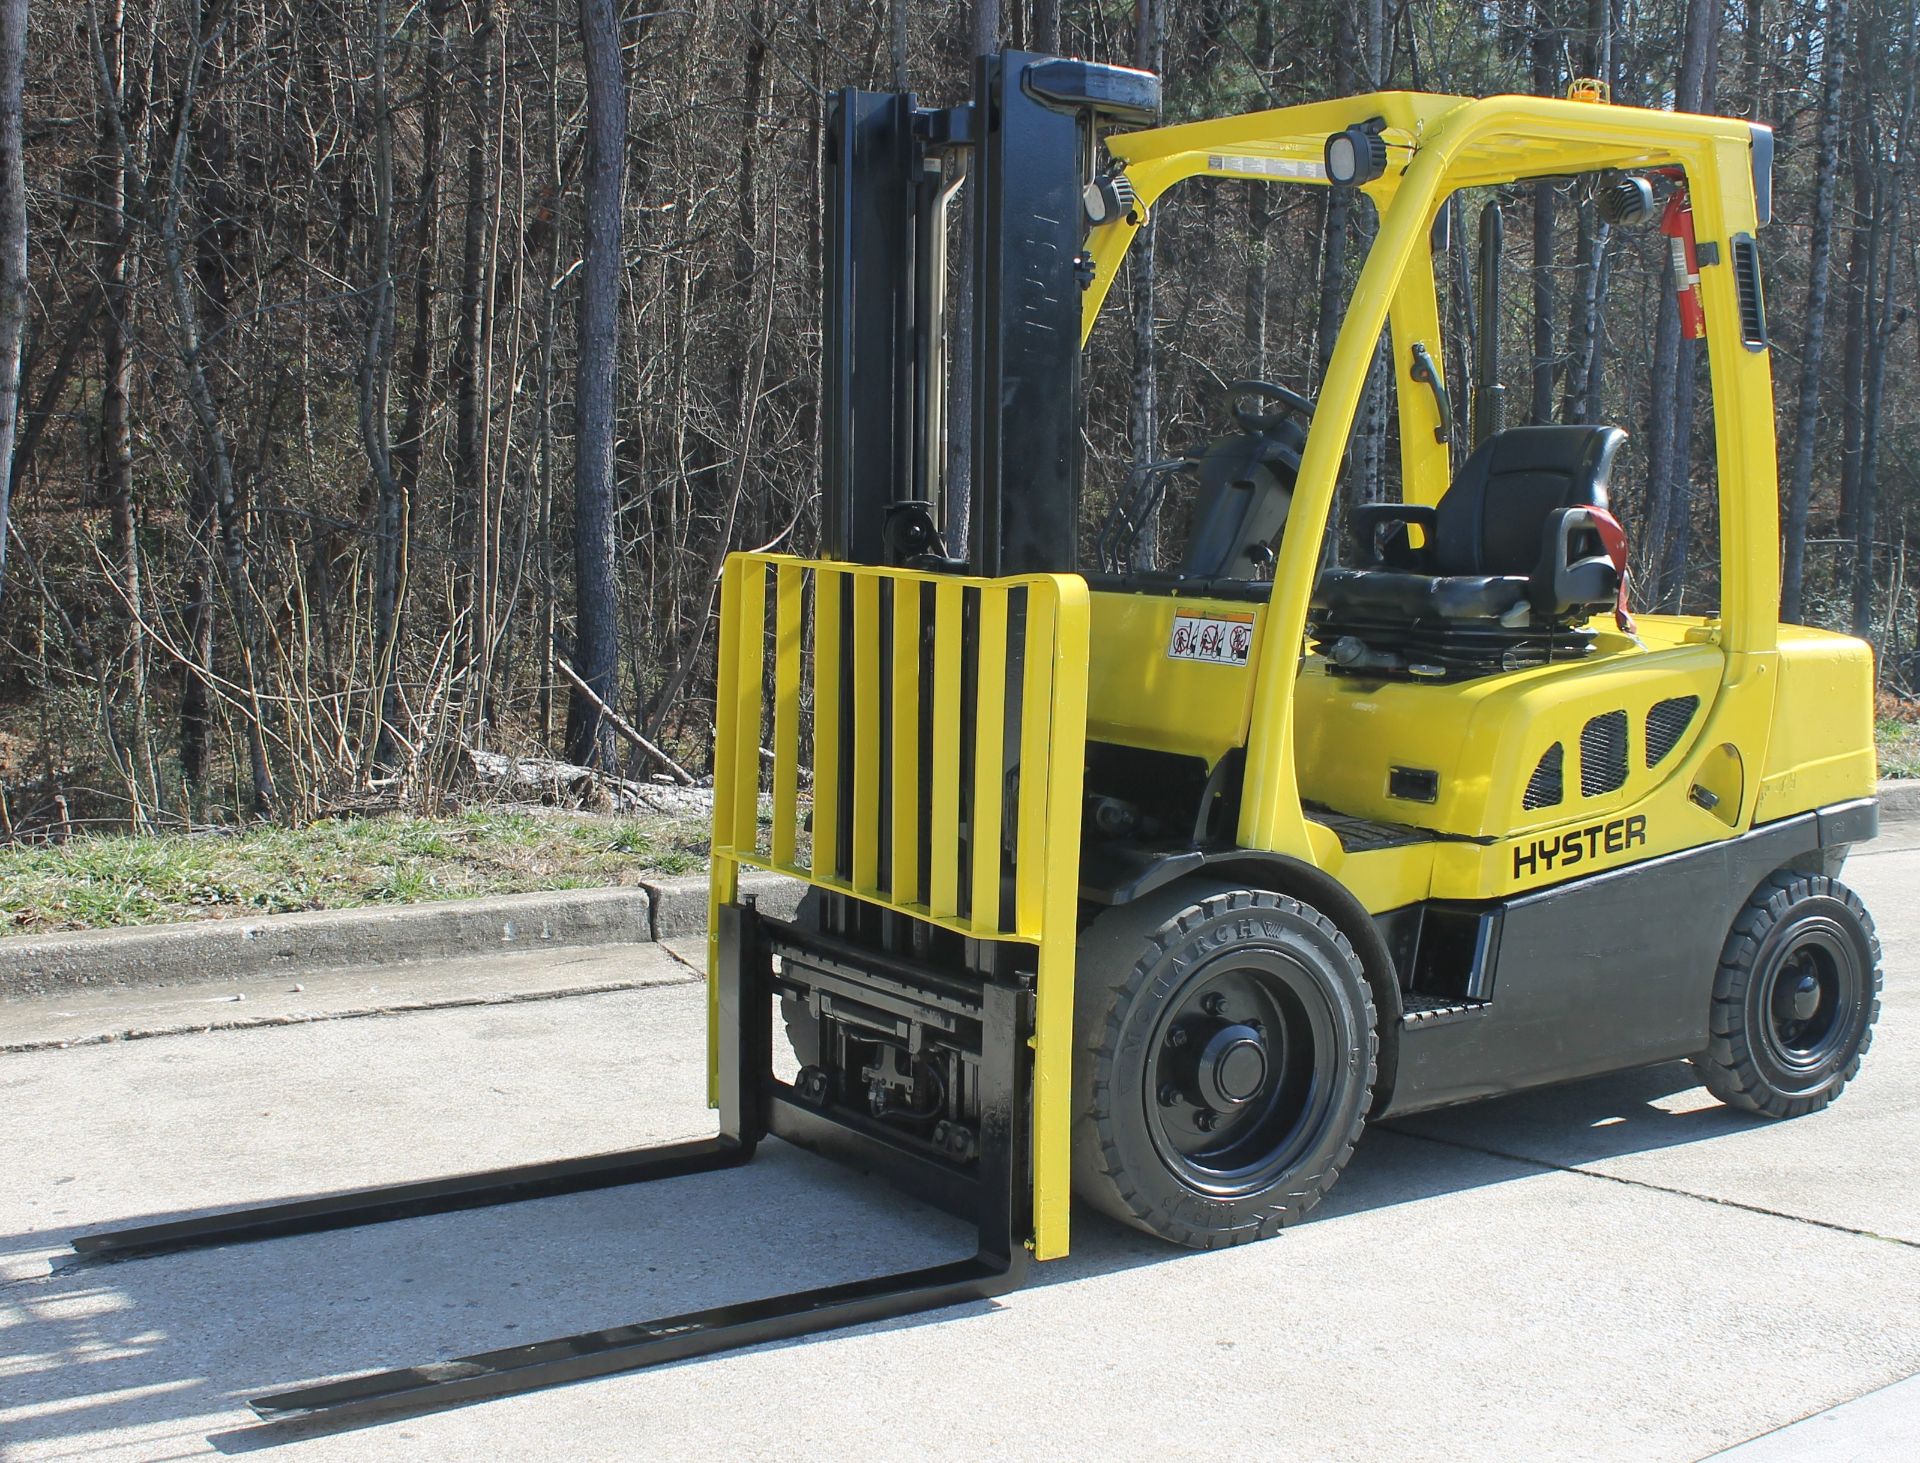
x=1265 y=167
x=1216 y=639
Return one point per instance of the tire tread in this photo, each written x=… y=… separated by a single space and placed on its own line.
x=1727 y=1067
x=1101 y=1004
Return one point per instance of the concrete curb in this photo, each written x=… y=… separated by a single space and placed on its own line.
x=680 y=905
x=1899 y=799
x=177 y=954
x=191 y=952
x=666 y=909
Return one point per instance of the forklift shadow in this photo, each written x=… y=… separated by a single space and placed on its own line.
x=135 y=1348
x=1474 y=1146
x=165 y=1351
x=1590 y=1121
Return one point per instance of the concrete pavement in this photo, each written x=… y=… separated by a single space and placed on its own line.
x=1615 y=1269
x=84 y=1017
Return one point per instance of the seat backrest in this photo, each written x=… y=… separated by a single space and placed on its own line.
x=1491 y=518
x=1246 y=487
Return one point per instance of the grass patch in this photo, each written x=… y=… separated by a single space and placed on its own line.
x=1896 y=733
x=103 y=880
x=1899 y=743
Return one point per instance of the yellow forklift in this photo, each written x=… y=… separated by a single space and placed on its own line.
x=1153 y=886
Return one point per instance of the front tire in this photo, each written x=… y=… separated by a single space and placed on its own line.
x=1795 y=998
x=1226 y=1056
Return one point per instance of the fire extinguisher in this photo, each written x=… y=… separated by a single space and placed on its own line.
x=1676 y=222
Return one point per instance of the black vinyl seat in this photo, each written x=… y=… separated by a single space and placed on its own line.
x=1246 y=487
x=1519 y=550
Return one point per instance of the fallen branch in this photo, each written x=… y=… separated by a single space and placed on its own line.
x=623 y=726
x=566 y=784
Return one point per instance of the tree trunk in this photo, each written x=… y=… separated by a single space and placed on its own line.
x=1046 y=26
x=1577 y=399
x=549 y=339
x=1853 y=355
x=13 y=246
x=375 y=379
x=1670 y=383
x=1814 y=330
x=115 y=482
x=1348 y=76
x=393 y=549
x=1149 y=44
x=596 y=608
x=1540 y=406
x=1369 y=478
x=1259 y=220
x=471 y=527
x=1883 y=314
x=897 y=44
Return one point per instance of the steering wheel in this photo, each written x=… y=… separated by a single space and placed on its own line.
x=1290 y=402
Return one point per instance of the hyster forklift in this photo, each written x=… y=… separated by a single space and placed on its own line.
x=1154 y=885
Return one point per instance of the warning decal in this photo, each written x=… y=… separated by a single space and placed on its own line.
x=1218 y=639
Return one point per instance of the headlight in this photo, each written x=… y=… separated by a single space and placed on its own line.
x=1357 y=155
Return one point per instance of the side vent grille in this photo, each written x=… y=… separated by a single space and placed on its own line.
x=1666 y=724
x=1753 y=300
x=1603 y=754
x=1545 y=788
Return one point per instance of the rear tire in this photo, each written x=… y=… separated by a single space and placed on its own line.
x=1225 y=1062
x=1795 y=998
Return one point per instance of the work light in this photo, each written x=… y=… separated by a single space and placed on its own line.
x=1625 y=199
x=1357 y=155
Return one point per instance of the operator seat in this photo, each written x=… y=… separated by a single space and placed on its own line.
x=1518 y=552
x=1246 y=488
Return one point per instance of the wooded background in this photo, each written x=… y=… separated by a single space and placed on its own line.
x=382 y=361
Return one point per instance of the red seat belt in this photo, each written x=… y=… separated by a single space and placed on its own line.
x=1614 y=539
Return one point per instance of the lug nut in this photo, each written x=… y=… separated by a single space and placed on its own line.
x=1213 y=1004
x=1169 y=1095
x=1177 y=1037
x=1206 y=1122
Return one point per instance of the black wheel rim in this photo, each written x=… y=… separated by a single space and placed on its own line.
x=1807 y=1000
x=1241 y=1075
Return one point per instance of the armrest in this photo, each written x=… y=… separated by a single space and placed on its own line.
x=1580 y=564
x=1365 y=521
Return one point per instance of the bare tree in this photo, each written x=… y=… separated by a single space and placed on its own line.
x=1806 y=420
x=596 y=610
x=1580 y=387
x=1671 y=383
x=1150 y=39
x=306 y=343
x=13 y=245
x=1892 y=163
x=1544 y=72
x=1046 y=26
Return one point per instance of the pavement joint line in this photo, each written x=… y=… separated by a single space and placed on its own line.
x=680 y=959
x=1550 y=1166
x=308 y=1018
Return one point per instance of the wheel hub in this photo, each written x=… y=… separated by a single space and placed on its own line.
x=1233 y=1068
x=1239 y=1079
x=1800 y=998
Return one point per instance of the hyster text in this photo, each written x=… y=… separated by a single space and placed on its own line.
x=1577 y=845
